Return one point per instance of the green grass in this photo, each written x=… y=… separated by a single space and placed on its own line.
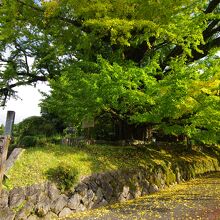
x=35 y=162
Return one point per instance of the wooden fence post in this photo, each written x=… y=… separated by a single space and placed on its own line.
x=4 y=143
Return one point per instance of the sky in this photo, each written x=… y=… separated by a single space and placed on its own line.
x=27 y=105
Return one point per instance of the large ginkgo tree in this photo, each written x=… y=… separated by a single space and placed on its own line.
x=148 y=64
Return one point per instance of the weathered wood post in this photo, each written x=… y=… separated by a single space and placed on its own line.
x=9 y=123
x=4 y=143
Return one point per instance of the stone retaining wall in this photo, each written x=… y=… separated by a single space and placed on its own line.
x=47 y=202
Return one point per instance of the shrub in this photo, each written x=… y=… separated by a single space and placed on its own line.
x=28 y=141
x=35 y=125
x=1 y=129
x=56 y=139
x=42 y=141
x=64 y=176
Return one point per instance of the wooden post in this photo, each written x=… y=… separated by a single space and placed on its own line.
x=4 y=143
x=9 y=123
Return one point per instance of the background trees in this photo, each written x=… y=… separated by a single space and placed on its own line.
x=149 y=64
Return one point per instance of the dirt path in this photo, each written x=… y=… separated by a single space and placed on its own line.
x=196 y=199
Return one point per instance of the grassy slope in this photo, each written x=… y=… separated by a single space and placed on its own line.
x=35 y=162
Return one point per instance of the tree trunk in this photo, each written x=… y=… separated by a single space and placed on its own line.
x=149 y=133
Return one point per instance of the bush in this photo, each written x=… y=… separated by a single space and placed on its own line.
x=35 y=126
x=42 y=141
x=2 y=129
x=55 y=139
x=28 y=141
x=63 y=176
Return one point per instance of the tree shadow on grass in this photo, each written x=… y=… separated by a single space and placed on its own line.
x=100 y=158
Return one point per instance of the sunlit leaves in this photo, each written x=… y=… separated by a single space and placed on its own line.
x=138 y=60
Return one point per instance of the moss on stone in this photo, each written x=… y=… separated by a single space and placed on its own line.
x=19 y=207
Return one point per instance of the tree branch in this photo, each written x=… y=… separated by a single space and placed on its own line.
x=76 y=23
x=212 y=5
x=210 y=30
x=205 y=48
x=25 y=56
x=8 y=91
x=207 y=33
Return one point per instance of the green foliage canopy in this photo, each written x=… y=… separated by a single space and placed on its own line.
x=34 y=126
x=142 y=61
